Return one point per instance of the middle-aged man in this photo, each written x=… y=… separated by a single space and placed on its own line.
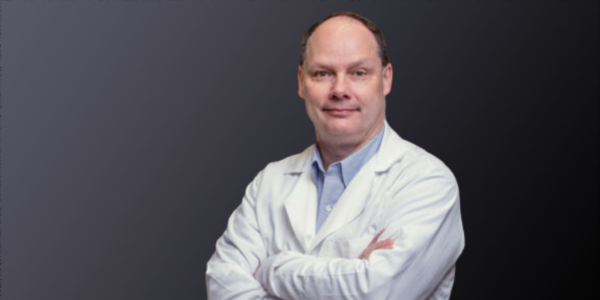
x=362 y=214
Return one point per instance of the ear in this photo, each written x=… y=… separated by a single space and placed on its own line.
x=388 y=75
x=300 y=86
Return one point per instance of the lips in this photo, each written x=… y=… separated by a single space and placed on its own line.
x=339 y=112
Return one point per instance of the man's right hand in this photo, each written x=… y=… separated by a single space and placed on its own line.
x=376 y=245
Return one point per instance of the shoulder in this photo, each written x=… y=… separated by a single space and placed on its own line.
x=404 y=160
x=418 y=181
x=296 y=163
x=419 y=161
x=291 y=165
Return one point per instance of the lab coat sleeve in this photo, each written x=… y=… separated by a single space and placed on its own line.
x=421 y=214
x=229 y=272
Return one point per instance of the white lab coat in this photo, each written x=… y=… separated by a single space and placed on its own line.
x=270 y=249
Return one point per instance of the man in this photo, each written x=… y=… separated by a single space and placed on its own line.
x=363 y=214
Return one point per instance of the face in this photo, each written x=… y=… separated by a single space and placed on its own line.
x=343 y=82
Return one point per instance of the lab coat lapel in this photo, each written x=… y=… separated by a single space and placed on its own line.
x=350 y=205
x=301 y=202
x=301 y=208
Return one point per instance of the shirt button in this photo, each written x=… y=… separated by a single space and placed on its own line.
x=328 y=208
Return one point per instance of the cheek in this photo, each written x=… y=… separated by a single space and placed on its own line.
x=370 y=98
x=311 y=109
x=317 y=90
x=311 y=106
x=313 y=98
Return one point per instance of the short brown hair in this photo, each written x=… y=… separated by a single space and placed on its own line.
x=368 y=23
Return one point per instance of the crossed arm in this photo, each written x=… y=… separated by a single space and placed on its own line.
x=424 y=213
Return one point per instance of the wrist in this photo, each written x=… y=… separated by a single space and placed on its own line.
x=264 y=274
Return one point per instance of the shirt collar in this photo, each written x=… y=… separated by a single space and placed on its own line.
x=353 y=163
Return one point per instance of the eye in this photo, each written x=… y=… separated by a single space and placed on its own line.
x=360 y=73
x=321 y=74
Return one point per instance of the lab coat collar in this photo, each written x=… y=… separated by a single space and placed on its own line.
x=390 y=151
x=301 y=206
x=301 y=202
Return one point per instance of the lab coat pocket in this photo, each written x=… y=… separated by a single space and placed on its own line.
x=351 y=248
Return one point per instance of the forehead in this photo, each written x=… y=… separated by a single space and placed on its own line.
x=341 y=39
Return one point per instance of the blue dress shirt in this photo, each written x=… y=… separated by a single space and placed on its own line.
x=332 y=183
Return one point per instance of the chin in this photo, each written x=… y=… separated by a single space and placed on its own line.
x=341 y=128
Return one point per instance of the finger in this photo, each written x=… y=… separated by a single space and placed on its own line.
x=385 y=244
x=389 y=244
x=374 y=240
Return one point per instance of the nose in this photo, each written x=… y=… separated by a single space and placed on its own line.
x=339 y=89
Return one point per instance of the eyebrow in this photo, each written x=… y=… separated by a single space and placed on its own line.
x=351 y=65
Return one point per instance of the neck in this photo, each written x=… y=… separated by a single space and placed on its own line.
x=337 y=148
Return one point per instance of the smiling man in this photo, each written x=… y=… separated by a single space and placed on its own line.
x=362 y=214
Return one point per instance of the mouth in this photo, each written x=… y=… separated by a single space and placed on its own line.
x=339 y=112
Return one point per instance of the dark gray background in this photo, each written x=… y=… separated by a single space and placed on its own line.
x=131 y=129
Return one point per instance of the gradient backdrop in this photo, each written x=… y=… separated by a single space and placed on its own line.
x=130 y=130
